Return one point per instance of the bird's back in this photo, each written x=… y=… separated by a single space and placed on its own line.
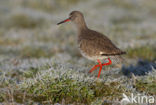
x=92 y=43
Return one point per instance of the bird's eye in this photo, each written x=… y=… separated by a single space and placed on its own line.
x=70 y=16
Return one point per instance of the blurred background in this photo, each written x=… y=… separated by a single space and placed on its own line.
x=28 y=27
x=30 y=39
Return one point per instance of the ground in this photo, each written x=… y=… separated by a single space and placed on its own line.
x=41 y=64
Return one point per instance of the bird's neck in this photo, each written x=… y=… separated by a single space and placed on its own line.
x=81 y=27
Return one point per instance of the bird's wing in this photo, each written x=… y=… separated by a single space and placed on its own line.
x=100 y=45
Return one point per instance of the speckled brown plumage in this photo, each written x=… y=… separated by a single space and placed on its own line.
x=94 y=44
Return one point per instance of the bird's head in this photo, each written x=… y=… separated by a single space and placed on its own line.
x=75 y=16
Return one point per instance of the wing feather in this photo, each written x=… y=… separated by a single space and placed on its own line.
x=97 y=44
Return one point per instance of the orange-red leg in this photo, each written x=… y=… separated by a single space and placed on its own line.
x=100 y=68
x=100 y=65
x=94 y=68
x=109 y=63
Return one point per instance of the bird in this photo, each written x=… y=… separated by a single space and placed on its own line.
x=94 y=45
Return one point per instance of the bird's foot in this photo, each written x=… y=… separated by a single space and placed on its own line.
x=100 y=65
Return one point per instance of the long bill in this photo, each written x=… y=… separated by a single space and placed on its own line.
x=63 y=21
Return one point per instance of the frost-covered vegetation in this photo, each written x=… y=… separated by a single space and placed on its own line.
x=40 y=62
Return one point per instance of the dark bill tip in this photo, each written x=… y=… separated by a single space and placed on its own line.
x=63 y=21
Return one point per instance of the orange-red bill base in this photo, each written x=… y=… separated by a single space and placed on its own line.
x=63 y=21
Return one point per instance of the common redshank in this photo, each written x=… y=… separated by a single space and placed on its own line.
x=92 y=44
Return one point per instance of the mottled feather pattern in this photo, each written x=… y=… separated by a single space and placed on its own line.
x=95 y=44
